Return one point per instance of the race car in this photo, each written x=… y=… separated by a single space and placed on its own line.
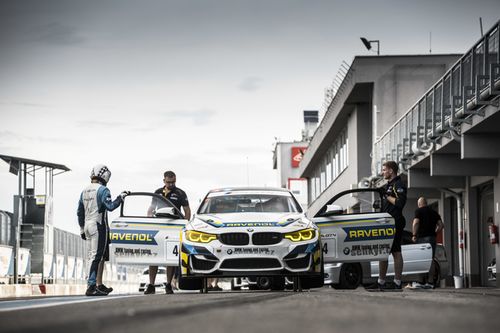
x=251 y=232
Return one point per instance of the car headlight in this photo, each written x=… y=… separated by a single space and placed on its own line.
x=301 y=235
x=199 y=237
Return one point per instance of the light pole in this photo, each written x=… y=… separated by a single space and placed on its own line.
x=368 y=44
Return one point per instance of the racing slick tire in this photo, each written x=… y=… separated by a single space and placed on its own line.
x=190 y=283
x=278 y=283
x=309 y=282
x=350 y=277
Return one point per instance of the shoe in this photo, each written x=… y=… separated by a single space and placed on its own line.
x=150 y=289
x=397 y=286
x=428 y=286
x=416 y=285
x=168 y=288
x=94 y=291
x=104 y=289
x=376 y=286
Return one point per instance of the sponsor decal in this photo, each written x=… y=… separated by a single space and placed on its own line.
x=248 y=224
x=332 y=235
x=134 y=237
x=297 y=154
x=368 y=250
x=368 y=233
x=125 y=252
x=250 y=250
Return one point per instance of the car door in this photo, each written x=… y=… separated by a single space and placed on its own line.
x=147 y=232
x=353 y=229
x=417 y=258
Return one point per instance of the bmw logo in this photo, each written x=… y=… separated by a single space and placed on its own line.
x=346 y=251
x=250 y=230
x=229 y=251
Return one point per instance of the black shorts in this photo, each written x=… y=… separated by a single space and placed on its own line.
x=398 y=237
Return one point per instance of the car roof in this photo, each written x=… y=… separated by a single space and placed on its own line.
x=259 y=189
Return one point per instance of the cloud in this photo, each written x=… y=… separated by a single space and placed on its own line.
x=100 y=124
x=250 y=84
x=55 y=33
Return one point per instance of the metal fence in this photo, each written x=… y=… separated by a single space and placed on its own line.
x=471 y=83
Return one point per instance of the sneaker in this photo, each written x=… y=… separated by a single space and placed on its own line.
x=94 y=291
x=416 y=285
x=104 y=289
x=397 y=286
x=428 y=286
x=150 y=289
x=168 y=288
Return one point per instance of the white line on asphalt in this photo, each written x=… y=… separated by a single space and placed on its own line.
x=36 y=303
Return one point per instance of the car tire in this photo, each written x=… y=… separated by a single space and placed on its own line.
x=278 y=283
x=264 y=282
x=185 y=283
x=350 y=277
x=436 y=278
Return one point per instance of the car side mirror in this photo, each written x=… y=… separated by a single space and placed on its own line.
x=166 y=212
x=334 y=210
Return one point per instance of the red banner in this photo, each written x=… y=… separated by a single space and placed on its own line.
x=297 y=153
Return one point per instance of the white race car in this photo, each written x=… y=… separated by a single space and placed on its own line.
x=251 y=232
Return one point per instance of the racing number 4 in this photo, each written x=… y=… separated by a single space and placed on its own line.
x=175 y=251
x=325 y=248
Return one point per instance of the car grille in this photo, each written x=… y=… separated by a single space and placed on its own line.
x=299 y=263
x=202 y=265
x=266 y=238
x=234 y=238
x=250 y=263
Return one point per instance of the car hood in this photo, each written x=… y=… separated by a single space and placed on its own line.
x=277 y=222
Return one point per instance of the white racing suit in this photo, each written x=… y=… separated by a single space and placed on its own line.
x=94 y=203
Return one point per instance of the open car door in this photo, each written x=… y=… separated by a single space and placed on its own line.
x=147 y=231
x=353 y=229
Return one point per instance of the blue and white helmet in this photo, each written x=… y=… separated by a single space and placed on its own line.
x=102 y=172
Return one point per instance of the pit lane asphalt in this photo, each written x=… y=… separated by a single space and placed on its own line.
x=322 y=310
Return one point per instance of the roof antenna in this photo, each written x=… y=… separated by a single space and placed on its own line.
x=481 y=26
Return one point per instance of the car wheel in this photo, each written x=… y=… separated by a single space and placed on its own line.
x=436 y=275
x=350 y=276
x=277 y=283
x=264 y=282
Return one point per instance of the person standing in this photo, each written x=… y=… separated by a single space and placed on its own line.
x=179 y=198
x=93 y=206
x=394 y=200
x=426 y=224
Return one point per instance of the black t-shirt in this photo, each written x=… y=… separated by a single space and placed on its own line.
x=397 y=189
x=176 y=196
x=428 y=219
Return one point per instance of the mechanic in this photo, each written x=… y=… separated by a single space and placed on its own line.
x=179 y=198
x=426 y=224
x=93 y=206
x=394 y=195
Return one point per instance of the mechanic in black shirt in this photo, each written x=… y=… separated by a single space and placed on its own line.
x=179 y=198
x=426 y=224
x=394 y=194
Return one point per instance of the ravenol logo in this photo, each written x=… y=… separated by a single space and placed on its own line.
x=134 y=237
x=368 y=233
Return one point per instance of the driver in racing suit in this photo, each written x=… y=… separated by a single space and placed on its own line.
x=95 y=201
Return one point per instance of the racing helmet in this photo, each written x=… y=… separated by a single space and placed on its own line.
x=101 y=172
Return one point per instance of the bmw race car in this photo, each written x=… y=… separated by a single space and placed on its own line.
x=251 y=232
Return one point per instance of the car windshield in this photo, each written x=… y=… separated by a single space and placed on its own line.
x=243 y=203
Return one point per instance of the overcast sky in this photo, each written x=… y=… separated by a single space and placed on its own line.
x=198 y=87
